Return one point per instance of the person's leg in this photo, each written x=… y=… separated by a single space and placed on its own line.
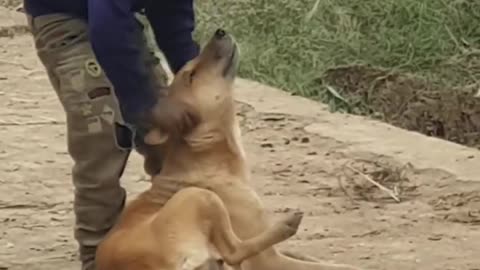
x=94 y=126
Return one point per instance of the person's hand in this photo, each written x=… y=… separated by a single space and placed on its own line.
x=173 y=117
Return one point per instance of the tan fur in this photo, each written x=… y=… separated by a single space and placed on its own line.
x=201 y=208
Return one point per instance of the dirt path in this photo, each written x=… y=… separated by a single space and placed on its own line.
x=298 y=161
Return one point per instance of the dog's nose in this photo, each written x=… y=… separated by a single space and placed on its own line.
x=220 y=33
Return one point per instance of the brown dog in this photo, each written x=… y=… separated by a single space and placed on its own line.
x=216 y=203
x=192 y=228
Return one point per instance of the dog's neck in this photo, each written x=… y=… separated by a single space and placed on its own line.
x=209 y=150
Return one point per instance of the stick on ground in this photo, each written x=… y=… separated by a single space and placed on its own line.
x=369 y=179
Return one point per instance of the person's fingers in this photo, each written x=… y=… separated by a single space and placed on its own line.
x=174 y=117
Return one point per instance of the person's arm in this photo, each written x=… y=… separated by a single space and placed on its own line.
x=116 y=42
x=173 y=22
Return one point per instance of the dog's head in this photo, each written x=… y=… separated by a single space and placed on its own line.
x=204 y=86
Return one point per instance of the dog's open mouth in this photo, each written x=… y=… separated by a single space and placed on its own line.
x=231 y=63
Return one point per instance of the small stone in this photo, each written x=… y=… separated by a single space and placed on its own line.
x=435 y=238
x=274 y=118
x=305 y=140
x=266 y=145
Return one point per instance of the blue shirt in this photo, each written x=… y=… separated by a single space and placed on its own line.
x=112 y=27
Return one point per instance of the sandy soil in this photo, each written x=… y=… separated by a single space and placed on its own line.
x=300 y=156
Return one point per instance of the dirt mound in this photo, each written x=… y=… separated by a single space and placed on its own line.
x=410 y=103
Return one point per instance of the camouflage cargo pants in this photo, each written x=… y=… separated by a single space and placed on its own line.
x=98 y=141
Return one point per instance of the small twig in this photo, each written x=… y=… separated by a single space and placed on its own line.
x=312 y=11
x=395 y=190
x=342 y=187
x=369 y=179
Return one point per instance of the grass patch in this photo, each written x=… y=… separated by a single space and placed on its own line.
x=282 y=47
x=296 y=45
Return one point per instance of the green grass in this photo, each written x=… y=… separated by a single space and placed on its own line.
x=291 y=43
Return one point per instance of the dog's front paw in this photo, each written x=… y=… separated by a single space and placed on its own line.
x=291 y=223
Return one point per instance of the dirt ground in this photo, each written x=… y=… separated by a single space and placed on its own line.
x=436 y=226
x=411 y=103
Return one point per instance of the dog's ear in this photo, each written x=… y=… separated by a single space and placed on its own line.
x=155 y=137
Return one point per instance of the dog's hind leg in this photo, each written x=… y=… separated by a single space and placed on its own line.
x=234 y=251
x=231 y=248
x=250 y=220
